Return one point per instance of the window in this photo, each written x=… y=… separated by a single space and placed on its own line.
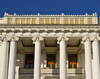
x=72 y=58
x=29 y=61
x=51 y=60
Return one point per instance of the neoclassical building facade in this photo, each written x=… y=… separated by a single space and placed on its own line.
x=49 y=46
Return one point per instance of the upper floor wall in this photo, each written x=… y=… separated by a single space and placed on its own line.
x=49 y=19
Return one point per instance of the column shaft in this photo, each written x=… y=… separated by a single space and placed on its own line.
x=4 y=60
x=12 y=60
x=62 y=60
x=88 y=62
x=96 y=61
x=37 y=65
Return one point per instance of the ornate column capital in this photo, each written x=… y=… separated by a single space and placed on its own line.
x=62 y=38
x=87 y=38
x=37 y=38
x=5 y=38
x=96 y=38
x=14 y=38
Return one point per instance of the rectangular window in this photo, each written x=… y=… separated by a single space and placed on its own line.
x=72 y=58
x=29 y=61
x=51 y=60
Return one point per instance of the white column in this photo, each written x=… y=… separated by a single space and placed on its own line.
x=37 y=61
x=4 y=59
x=63 y=70
x=88 y=61
x=96 y=61
x=12 y=58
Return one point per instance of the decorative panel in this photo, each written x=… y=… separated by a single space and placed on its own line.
x=76 y=21
x=52 y=21
x=57 y=21
x=47 y=21
x=33 y=21
x=23 y=21
x=71 y=21
x=28 y=21
x=42 y=21
x=66 y=21
x=9 y=20
x=18 y=21
x=90 y=21
x=81 y=21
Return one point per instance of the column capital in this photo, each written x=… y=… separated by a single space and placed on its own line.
x=87 y=38
x=96 y=38
x=37 y=38
x=5 y=38
x=14 y=38
x=62 y=38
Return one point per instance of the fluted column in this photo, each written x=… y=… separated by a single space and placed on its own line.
x=88 y=61
x=62 y=41
x=12 y=57
x=4 y=58
x=96 y=56
x=37 y=62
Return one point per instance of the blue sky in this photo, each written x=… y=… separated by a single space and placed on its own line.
x=49 y=6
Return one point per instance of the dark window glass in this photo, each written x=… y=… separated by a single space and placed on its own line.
x=72 y=58
x=29 y=62
x=51 y=60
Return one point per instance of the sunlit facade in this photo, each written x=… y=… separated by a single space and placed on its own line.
x=49 y=46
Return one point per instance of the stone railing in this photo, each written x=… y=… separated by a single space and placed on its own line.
x=51 y=71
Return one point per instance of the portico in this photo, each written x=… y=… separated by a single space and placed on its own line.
x=54 y=47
